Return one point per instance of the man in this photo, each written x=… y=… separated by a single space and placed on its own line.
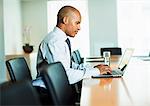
x=56 y=46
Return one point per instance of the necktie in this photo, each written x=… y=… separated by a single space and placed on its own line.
x=69 y=46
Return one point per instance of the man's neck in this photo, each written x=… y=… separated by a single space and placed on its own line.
x=62 y=27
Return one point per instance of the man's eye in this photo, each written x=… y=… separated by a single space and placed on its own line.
x=78 y=23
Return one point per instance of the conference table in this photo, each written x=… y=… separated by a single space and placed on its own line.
x=132 y=89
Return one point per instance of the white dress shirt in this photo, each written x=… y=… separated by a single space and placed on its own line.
x=58 y=51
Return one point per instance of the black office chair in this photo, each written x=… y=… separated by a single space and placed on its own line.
x=113 y=50
x=76 y=57
x=57 y=84
x=18 y=69
x=18 y=93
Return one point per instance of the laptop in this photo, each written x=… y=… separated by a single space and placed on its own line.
x=121 y=66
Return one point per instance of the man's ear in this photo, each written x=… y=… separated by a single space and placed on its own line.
x=65 y=20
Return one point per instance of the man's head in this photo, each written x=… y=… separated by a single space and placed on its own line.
x=68 y=19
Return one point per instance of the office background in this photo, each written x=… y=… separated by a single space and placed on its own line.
x=34 y=12
x=102 y=24
x=17 y=14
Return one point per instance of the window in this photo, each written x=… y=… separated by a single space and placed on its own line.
x=83 y=35
x=134 y=25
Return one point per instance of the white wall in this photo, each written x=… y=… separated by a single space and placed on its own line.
x=134 y=25
x=2 y=64
x=12 y=26
x=103 y=24
x=34 y=14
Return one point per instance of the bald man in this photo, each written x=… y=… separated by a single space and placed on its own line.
x=55 y=47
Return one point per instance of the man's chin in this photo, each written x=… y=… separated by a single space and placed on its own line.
x=73 y=35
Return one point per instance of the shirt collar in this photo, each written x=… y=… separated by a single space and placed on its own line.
x=62 y=35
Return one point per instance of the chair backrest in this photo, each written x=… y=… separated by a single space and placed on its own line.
x=58 y=86
x=18 y=93
x=76 y=57
x=18 y=69
x=113 y=50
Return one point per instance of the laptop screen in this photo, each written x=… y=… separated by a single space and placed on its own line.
x=126 y=57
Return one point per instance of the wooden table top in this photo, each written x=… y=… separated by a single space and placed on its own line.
x=133 y=89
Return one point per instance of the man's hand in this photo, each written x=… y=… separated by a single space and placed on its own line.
x=103 y=68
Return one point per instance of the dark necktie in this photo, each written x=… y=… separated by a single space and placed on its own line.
x=69 y=46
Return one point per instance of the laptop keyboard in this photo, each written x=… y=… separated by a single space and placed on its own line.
x=113 y=73
x=116 y=72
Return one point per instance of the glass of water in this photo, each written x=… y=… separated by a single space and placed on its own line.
x=106 y=55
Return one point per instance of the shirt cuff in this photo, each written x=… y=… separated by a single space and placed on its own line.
x=91 y=72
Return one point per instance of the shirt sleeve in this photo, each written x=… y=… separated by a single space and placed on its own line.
x=91 y=72
x=45 y=53
x=74 y=75
x=60 y=52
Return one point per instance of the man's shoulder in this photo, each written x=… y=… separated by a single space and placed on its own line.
x=52 y=41
x=50 y=37
x=55 y=37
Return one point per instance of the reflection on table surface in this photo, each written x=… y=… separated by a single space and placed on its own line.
x=133 y=89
